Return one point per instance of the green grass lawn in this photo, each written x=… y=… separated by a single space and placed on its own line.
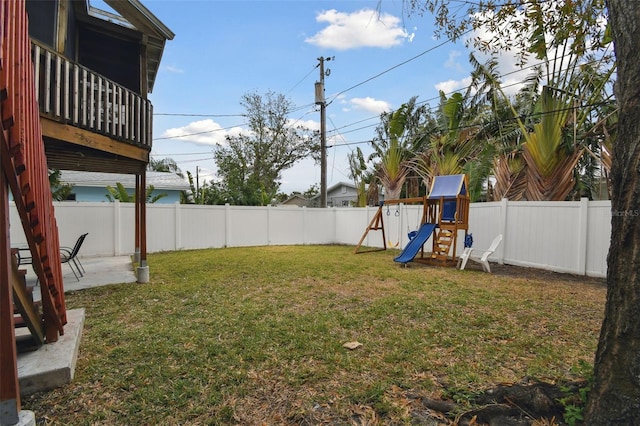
x=255 y=336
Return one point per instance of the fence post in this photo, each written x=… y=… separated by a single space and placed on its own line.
x=366 y=220
x=504 y=206
x=334 y=237
x=227 y=225
x=117 y=231
x=178 y=228
x=304 y=225
x=583 y=222
x=269 y=224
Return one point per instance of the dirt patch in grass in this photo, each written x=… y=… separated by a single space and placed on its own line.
x=541 y=274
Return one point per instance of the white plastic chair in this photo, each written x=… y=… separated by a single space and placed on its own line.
x=478 y=255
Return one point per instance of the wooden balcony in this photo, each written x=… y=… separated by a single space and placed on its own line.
x=88 y=121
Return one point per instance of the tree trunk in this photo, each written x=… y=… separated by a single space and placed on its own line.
x=615 y=398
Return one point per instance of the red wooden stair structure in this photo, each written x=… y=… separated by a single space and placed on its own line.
x=25 y=172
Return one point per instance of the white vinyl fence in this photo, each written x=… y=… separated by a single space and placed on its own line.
x=560 y=236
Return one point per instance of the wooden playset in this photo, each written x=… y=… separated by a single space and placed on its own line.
x=445 y=212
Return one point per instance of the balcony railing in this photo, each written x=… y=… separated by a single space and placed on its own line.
x=70 y=93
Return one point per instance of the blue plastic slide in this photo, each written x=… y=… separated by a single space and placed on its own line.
x=416 y=243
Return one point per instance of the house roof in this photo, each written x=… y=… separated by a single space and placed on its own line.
x=294 y=198
x=134 y=15
x=160 y=180
x=335 y=186
x=139 y=16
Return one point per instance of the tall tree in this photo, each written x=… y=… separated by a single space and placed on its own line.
x=250 y=164
x=615 y=396
x=167 y=165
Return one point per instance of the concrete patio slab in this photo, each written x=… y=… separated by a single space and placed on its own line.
x=53 y=365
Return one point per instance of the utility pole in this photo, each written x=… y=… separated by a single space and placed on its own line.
x=323 y=130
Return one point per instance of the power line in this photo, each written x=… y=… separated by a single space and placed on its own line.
x=303 y=78
x=350 y=144
x=298 y=108
x=174 y=114
x=528 y=67
x=197 y=133
x=182 y=153
x=393 y=67
x=507 y=120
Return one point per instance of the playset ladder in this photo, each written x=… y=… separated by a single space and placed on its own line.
x=442 y=244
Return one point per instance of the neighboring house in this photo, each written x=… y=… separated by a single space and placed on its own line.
x=91 y=186
x=296 y=200
x=342 y=194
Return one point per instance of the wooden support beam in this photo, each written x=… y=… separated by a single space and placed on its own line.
x=142 y=200
x=86 y=138
x=9 y=388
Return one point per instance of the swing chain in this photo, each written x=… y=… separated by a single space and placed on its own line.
x=388 y=211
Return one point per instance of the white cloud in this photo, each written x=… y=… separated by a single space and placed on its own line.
x=453 y=62
x=203 y=132
x=308 y=124
x=363 y=28
x=507 y=66
x=208 y=132
x=451 y=86
x=507 y=61
x=370 y=105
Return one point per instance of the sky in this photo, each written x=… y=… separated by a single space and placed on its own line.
x=377 y=58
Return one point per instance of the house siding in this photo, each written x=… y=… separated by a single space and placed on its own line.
x=95 y=194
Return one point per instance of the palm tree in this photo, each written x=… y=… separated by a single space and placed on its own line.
x=397 y=138
x=452 y=145
x=542 y=162
x=500 y=133
x=550 y=160
x=541 y=136
x=357 y=170
x=569 y=105
x=597 y=129
x=120 y=193
x=59 y=191
x=393 y=171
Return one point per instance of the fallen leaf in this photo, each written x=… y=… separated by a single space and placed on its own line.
x=352 y=345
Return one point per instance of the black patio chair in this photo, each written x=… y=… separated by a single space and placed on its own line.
x=70 y=256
